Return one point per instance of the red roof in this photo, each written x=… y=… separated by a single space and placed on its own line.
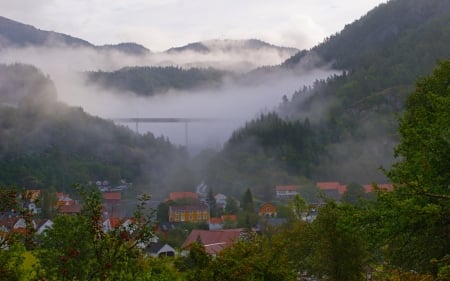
x=286 y=187
x=213 y=240
x=215 y=221
x=115 y=222
x=332 y=185
x=182 y=195
x=112 y=196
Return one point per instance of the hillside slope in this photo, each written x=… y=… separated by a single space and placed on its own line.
x=351 y=118
x=44 y=143
x=15 y=34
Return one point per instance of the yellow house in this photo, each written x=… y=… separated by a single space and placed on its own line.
x=268 y=210
x=189 y=213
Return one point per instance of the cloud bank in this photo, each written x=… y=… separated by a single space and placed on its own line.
x=230 y=105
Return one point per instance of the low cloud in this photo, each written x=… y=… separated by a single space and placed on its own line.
x=229 y=106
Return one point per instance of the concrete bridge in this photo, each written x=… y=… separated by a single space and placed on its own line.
x=186 y=121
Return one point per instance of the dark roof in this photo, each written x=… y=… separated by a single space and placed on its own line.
x=155 y=247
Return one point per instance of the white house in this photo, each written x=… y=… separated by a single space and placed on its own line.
x=221 y=201
x=286 y=191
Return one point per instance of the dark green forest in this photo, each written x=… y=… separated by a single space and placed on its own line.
x=344 y=127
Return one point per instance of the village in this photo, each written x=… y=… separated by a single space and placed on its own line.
x=184 y=217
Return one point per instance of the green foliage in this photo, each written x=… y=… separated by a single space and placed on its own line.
x=196 y=264
x=298 y=206
x=232 y=207
x=11 y=262
x=260 y=259
x=416 y=214
x=77 y=248
x=354 y=193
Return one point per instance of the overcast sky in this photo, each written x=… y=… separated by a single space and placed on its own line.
x=161 y=24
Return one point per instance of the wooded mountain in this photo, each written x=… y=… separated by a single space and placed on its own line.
x=44 y=143
x=350 y=118
x=148 y=81
x=16 y=34
x=227 y=45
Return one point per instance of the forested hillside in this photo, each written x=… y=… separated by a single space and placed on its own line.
x=44 y=143
x=351 y=117
x=148 y=81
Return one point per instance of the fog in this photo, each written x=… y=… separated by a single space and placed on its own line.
x=228 y=106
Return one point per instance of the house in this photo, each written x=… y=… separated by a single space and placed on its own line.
x=113 y=197
x=215 y=223
x=42 y=225
x=214 y=241
x=286 y=191
x=111 y=201
x=33 y=194
x=160 y=249
x=268 y=210
x=333 y=190
x=189 y=213
x=221 y=201
x=226 y=221
x=64 y=200
x=111 y=224
x=174 y=196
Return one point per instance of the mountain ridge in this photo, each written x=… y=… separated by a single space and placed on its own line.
x=17 y=34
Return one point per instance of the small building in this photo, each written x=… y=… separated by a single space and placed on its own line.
x=189 y=213
x=42 y=225
x=268 y=210
x=64 y=200
x=160 y=249
x=286 y=191
x=215 y=223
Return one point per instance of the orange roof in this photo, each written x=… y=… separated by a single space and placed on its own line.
x=332 y=185
x=213 y=240
x=266 y=205
x=182 y=195
x=215 y=221
x=112 y=196
x=286 y=187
